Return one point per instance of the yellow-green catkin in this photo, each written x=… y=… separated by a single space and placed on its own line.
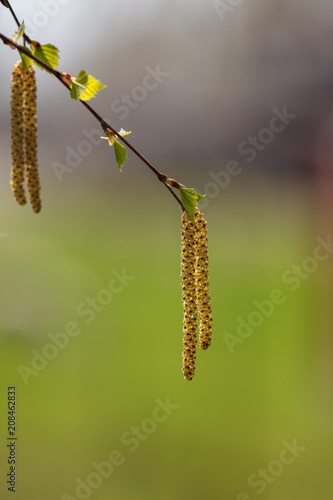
x=189 y=296
x=30 y=130
x=17 y=134
x=202 y=280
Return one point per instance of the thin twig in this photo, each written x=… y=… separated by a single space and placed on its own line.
x=26 y=38
x=61 y=77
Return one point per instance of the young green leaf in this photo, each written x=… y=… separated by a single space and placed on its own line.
x=17 y=35
x=48 y=54
x=189 y=199
x=120 y=154
x=26 y=60
x=93 y=86
x=119 y=150
x=78 y=85
x=85 y=86
x=81 y=79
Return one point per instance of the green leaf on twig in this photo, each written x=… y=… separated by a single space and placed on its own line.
x=189 y=199
x=92 y=88
x=78 y=85
x=26 y=60
x=119 y=149
x=17 y=35
x=85 y=86
x=48 y=54
x=120 y=154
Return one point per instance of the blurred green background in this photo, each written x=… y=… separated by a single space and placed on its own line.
x=239 y=408
x=234 y=418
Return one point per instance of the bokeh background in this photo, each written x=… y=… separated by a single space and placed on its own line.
x=226 y=68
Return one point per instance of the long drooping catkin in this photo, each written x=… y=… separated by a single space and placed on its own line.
x=201 y=280
x=30 y=130
x=17 y=134
x=189 y=296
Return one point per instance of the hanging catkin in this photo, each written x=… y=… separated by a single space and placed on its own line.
x=17 y=134
x=195 y=289
x=30 y=131
x=201 y=280
x=189 y=296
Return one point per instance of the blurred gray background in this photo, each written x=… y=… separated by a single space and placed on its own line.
x=226 y=70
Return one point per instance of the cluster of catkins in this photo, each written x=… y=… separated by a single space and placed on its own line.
x=24 y=136
x=195 y=289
